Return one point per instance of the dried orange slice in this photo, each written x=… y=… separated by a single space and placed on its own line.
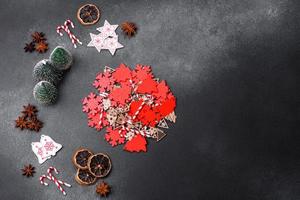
x=88 y=14
x=84 y=177
x=80 y=158
x=99 y=165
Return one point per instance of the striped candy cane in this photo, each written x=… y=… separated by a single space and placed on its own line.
x=50 y=177
x=42 y=180
x=65 y=27
x=138 y=110
x=100 y=117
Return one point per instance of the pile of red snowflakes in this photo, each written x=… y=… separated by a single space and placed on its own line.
x=133 y=104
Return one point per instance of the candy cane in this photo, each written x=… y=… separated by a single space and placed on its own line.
x=57 y=182
x=65 y=27
x=138 y=110
x=129 y=121
x=55 y=170
x=103 y=94
x=100 y=117
x=42 y=180
x=50 y=169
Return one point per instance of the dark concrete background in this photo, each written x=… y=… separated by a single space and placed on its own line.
x=233 y=65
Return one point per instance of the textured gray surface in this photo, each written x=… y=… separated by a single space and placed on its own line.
x=233 y=65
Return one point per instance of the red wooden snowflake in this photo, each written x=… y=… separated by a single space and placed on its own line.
x=104 y=82
x=114 y=136
x=91 y=103
x=97 y=120
x=141 y=73
x=131 y=103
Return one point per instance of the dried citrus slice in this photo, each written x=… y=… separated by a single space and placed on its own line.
x=88 y=14
x=80 y=158
x=84 y=177
x=99 y=165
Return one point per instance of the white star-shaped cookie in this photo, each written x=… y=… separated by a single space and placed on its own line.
x=107 y=29
x=106 y=39
x=112 y=44
x=96 y=41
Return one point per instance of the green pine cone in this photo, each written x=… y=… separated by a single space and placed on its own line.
x=45 y=92
x=61 y=58
x=45 y=71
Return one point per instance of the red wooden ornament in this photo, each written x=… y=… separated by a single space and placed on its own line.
x=141 y=73
x=114 y=137
x=104 y=82
x=122 y=73
x=91 y=103
x=148 y=86
x=136 y=144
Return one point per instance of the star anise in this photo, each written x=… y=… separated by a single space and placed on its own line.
x=28 y=170
x=29 y=111
x=30 y=125
x=129 y=28
x=41 y=47
x=29 y=47
x=103 y=189
x=21 y=122
x=36 y=124
x=38 y=37
x=29 y=119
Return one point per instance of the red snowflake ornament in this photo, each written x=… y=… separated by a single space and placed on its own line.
x=91 y=103
x=104 y=82
x=97 y=120
x=114 y=136
x=141 y=73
